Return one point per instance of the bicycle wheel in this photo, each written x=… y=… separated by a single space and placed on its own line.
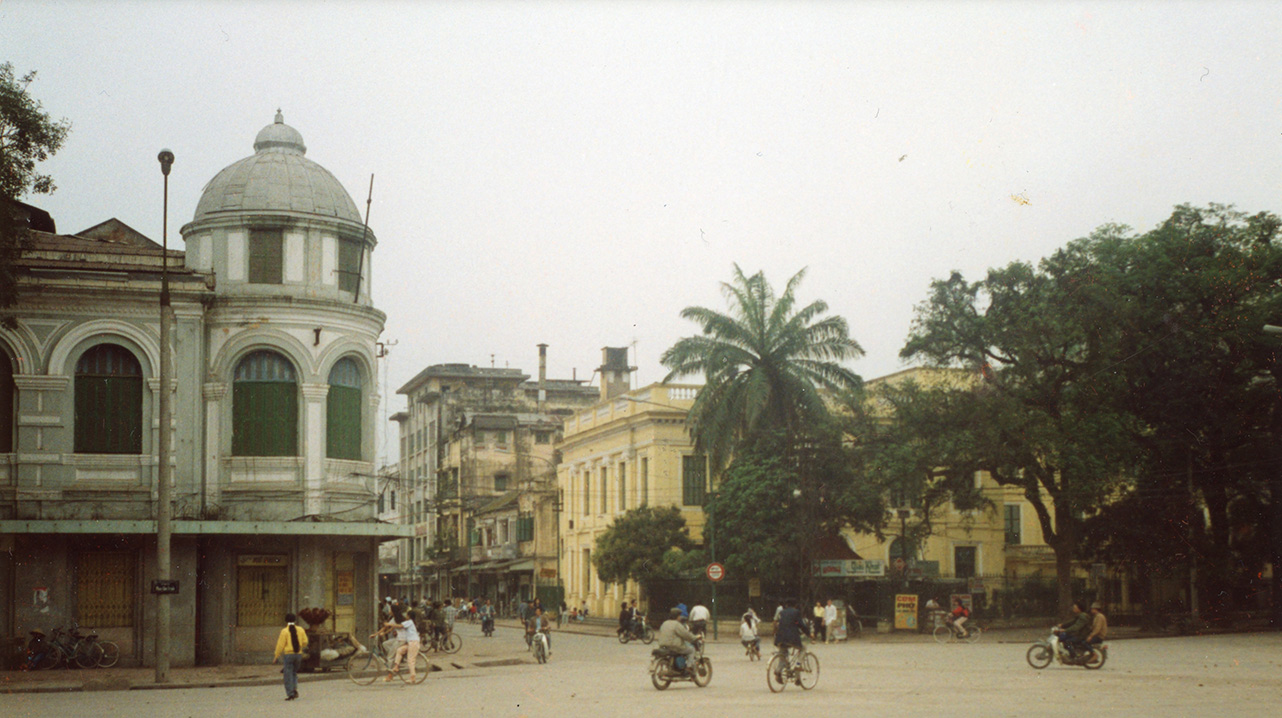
x=647 y=635
x=420 y=670
x=972 y=633
x=453 y=643
x=703 y=673
x=51 y=658
x=365 y=668
x=110 y=654
x=88 y=654
x=775 y=675
x=943 y=634
x=808 y=672
x=855 y=628
x=1039 y=655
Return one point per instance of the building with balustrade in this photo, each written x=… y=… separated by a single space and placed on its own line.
x=274 y=405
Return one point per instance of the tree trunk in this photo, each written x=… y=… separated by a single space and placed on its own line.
x=1063 y=547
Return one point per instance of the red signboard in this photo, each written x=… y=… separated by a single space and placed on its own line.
x=716 y=572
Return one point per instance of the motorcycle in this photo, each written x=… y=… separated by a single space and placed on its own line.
x=1041 y=653
x=639 y=631
x=664 y=669
x=487 y=626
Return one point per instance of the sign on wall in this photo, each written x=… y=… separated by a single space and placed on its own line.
x=906 y=611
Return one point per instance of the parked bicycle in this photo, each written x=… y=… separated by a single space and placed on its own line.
x=364 y=667
x=448 y=642
x=792 y=665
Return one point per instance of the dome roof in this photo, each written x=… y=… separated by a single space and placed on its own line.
x=276 y=178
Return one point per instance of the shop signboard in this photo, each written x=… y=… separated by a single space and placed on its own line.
x=906 y=611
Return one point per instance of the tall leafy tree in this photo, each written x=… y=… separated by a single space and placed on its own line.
x=1040 y=419
x=763 y=361
x=639 y=545
x=28 y=135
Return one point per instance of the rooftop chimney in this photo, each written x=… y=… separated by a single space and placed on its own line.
x=616 y=375
x=543 y=375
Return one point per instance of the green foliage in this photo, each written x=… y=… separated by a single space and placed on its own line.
x=763 y=363
x=643 y=544
x=27 y=136
x=779 y=496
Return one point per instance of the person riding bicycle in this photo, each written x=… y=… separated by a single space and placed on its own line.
x=539 y=624
x=789 y=629
x=1073 y=632
x=959 y=616
x=748 y=634
x=674 y=637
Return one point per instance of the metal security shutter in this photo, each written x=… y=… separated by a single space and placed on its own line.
x=262 y=595
x=105 y=589
x=343 y=412
x=264 y=407
x=108 y=402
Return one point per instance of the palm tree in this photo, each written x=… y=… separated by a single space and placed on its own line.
x=763 y=363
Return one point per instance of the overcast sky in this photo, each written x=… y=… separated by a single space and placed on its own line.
x=575 y=173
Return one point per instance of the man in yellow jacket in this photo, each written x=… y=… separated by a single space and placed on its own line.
x=291 y=646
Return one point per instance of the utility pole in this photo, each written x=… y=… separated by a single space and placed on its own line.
x=164 y=474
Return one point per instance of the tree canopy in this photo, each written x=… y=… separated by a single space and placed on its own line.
x=763 y=362
x=638 y=544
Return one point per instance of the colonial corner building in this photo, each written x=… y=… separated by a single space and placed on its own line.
x=274 y=405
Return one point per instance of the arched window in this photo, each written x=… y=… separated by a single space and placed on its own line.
x=264 y=406
x=343 y=411
x=108 y=410
x=6 y=404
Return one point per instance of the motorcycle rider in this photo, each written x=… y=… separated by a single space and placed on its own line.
x=1075 y=629
x=625 y=619
x=675 y=638
x=1099 y=625
x=699 y=616
x=487 y=616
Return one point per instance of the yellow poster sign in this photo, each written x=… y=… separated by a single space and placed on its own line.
x=906 y=611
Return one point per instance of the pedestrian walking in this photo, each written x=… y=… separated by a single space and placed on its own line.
x=291 y=646
x=830 y=622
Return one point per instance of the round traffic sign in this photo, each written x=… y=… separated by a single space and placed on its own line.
x=716 y=572
x=899 y=564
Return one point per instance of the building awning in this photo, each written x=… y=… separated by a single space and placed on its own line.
x=214 y=528
x=525 y=564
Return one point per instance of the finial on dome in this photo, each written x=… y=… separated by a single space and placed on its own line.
x=280 y=119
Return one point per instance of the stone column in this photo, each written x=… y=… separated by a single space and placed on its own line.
x=314 y=442
x=214 y=393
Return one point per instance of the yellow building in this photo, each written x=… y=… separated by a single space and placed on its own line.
x=631 y=449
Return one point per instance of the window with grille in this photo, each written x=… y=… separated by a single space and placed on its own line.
x=108 y=402
x=264 y=406
x=349 y=270
x=262 y=595
x=542 y=437
x=525 y=528
x=343 y=411
x=105 y=589
x=6 y=404
x=694 y=480
x=265 y=256
x=500 y=482
x=1012 y=525
x=645 y=481
x=964 y=562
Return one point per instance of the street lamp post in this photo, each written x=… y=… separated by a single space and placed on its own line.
x=164 y=474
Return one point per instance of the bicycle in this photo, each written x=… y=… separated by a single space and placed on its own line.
x=792 y=665
x=73 y=648
x=449 y=642
x=947 y=633
x=364 y=667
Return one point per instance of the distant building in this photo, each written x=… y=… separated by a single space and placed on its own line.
x=629 y=449
x=274 y=413
x=477 y=473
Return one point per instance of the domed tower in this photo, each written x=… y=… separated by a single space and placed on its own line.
x=290 y=401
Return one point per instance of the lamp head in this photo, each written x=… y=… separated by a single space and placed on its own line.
x=166 y=161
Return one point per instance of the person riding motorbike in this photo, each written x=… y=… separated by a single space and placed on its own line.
x=675 y=638
x=539 y=623
x=1099 y=625
x=487 y=616
x=1073 y=632
x=625 y=619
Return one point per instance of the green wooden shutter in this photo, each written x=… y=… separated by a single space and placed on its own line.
x=108 y=402
x=265 y=256
x=6 y=404
x=264 y=407
x=349 y=271
x=694 y=480
x=343 y=412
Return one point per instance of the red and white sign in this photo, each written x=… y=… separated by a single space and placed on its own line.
x=899 y=564
x=716 y=572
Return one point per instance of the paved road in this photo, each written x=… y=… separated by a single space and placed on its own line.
x=590 y=675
